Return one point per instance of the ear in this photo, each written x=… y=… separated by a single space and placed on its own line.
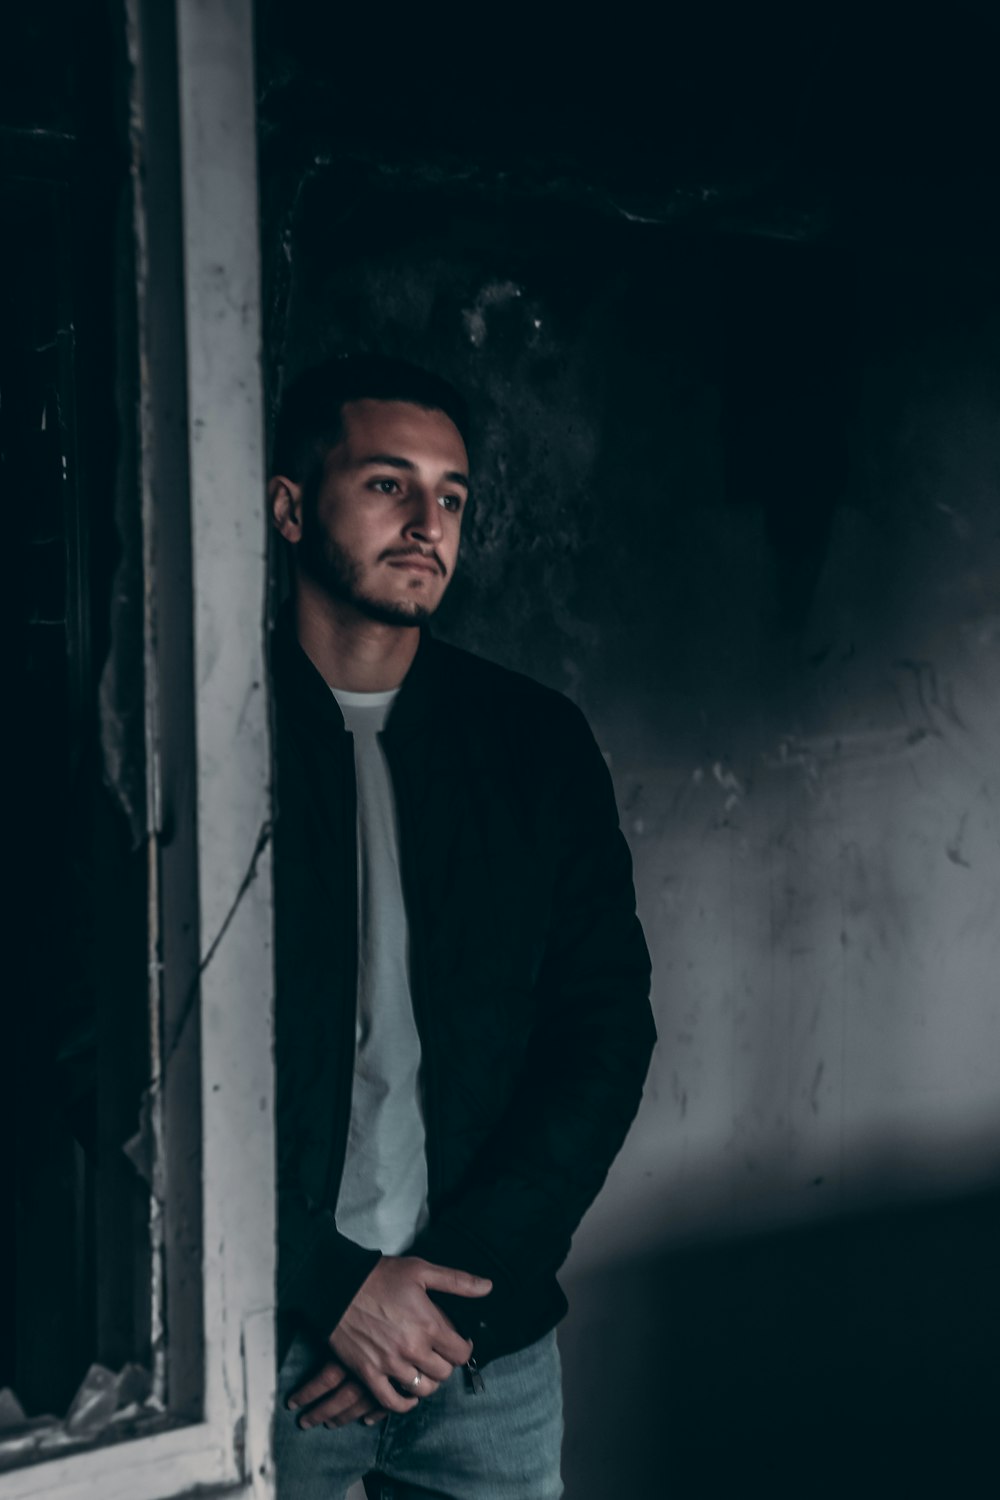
x=286 y=507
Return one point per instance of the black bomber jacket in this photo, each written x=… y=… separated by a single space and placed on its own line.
x=529 y=975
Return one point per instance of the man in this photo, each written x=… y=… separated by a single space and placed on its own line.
x=463 y=1026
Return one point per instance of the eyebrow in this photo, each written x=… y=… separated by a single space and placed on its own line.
x=393 y=461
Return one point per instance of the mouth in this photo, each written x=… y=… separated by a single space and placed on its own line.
x=416 y=562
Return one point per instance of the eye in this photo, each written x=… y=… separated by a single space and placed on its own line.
x=385 y=486
x=451 y=502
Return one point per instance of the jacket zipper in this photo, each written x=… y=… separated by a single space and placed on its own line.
x=345 y=1090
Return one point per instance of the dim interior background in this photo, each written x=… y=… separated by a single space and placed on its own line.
x=724 y=295
x=721 y=285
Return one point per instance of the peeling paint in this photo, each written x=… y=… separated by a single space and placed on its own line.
x=936 y=699
x=815 y=754
x=953 y=848
x=730 y=783
x=493 y=295
x=140 y=1148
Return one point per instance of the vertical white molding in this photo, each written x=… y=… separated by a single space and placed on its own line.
x=230 y=1447
x=225 y=421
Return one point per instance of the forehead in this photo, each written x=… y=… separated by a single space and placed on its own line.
x=423 y=435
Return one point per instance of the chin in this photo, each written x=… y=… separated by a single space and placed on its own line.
x=394 y=611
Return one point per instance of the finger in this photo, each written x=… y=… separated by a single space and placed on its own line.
x=387 y=1395
x=323 y=1411
x=434 y=1366
x=362 y=1407
x=450 y=1346
x=346 y=1419
x=375 y=1418
x=425 y=1387
x=327 y=1379
x=459 y=1283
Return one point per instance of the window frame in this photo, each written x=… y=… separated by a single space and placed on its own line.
x=207 y=732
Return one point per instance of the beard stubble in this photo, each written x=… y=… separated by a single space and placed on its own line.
x=337 y=572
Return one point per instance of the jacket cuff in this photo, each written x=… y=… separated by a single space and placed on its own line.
x=510 y=1317
x=444 y=1245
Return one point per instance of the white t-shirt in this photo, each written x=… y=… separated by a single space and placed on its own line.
x=383 y=1191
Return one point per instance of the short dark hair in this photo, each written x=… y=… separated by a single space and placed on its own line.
x=310 y=421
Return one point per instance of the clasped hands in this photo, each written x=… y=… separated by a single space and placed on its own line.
x=390 y=1334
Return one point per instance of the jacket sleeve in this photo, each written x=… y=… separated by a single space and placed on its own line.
x=319 y=1269
x=582 y=1076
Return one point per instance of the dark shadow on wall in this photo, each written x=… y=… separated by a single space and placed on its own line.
x=855 y=1358
x=790 y=376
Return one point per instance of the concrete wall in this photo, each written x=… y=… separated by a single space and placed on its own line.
x=740 y=501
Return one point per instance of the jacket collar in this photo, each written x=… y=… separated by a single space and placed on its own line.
x=300 y=687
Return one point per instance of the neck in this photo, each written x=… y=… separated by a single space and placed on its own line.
x=348 y=650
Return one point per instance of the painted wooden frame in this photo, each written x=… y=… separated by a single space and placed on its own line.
x=208 y=754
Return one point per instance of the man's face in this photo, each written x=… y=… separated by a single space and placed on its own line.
x=382 y=534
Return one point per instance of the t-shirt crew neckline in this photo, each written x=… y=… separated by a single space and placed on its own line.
x=365 y=700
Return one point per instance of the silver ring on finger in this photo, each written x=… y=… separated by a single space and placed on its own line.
x=412 y=1387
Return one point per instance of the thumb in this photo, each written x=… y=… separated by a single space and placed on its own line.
x=459 y=1283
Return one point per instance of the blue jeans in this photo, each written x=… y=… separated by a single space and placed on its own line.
x=502 y=1443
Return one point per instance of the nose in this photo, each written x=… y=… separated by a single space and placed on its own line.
x=423 y=521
